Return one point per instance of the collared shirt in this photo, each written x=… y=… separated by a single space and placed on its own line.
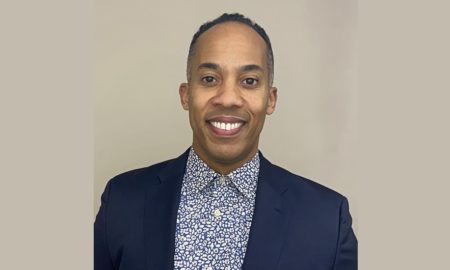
x=214 y=216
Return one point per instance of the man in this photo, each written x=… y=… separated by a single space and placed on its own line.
x=221 y=204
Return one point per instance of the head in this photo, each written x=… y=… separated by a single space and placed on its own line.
x=234 y=17
x=229 y=90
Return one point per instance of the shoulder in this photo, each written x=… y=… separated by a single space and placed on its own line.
x=304 y=189
x=137 y=180
x=140 y=174
x=149 y=175
x=131 y=187
x=141 y=177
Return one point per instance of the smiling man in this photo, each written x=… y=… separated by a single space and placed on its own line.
x=228 y=94
x=221 y=204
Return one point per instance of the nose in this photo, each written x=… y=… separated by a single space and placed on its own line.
x=228 y=95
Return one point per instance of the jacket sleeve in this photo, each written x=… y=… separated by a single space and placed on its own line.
x=347 y=246
x=102 y=258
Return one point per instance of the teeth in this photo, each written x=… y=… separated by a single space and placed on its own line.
x=226 y=126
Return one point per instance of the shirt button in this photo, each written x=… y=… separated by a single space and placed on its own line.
x=217 y=213
x=209 y=268
x=222 y=180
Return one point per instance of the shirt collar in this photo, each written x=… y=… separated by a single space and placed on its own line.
x=198 y=175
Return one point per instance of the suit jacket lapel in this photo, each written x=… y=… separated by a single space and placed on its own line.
x=161 y=208
x=270 y=221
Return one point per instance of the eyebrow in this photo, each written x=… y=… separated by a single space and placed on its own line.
x=209 y=66
x=245 y=68
x=251 y=68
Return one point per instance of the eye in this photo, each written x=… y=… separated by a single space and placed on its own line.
x=250 y=81
x=208 y=79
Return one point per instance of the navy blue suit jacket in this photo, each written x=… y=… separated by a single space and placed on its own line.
x=297 y=224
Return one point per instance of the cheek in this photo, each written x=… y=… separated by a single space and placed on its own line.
x=258 y=105
x=197 y=106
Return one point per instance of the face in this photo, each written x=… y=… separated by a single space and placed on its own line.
x=228 y=96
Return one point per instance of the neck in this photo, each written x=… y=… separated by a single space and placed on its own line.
x=221 y=166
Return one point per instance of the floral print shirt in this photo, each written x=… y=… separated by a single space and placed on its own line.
x=214 y=216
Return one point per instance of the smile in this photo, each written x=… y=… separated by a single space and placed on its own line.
x=226 y=126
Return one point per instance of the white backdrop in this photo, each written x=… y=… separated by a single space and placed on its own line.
x=140 y=60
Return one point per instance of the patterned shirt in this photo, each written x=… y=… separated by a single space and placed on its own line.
x=214 y=216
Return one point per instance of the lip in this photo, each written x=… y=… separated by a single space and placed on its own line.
x=227 y=119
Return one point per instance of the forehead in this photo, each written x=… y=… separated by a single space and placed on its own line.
x=231 y=43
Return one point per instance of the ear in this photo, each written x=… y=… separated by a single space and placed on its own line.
x=273 y=96
x=184 y=95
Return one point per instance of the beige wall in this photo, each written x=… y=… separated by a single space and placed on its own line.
x=46 y=129
x=140 y=56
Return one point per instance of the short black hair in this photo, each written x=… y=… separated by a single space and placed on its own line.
x=233 y=17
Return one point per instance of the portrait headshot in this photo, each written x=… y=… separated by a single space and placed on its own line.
x=225 y=135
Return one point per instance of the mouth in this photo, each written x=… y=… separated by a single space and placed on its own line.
x=225 y=126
